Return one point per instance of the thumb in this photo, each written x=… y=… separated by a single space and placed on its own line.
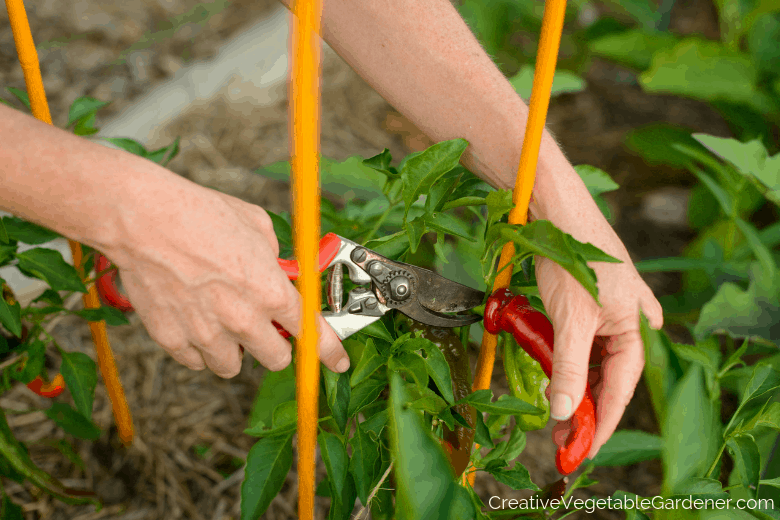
x=573 y=341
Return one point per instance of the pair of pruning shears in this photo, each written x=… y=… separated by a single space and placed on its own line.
x=416 y=292
x=384 y=284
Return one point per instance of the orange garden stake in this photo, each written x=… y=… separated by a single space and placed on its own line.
x=305 y=117
x=546 y=60
x=28 y=58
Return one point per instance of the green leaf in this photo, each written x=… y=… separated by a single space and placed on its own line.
x=364 y=394
x=349 y=178
x=337 y=390
x=421 y=171
x=10 y=315
x=283 y=231
x=36 y=357
x=564 y=82
x=763 y=379
x=165 y=154
x=629 y=447
x=128 y=145
x=378 y=330
x=391 y=246
x=705 y=70
x=499 y=203
x=49 y=296
x=110 y=315
x=275 y=388
x=415 y=229
x=20 y=463
x=542 y=238
x=84 y=106
x=597 y=181
x=517 y=478
x=369 y=362
x=9 y=510
x=413 y=364
x=364 y=462
x=285 y=414
x=267 y=465
x=726 y=201
x=21 y=95
x=381 y=163
x=27 y=232
x=762 y=40
x=375 y=424
x=72 y=421
x=762 y=253
x=655 y=144
x=775 y=482
x=438 y=369
x=482 y=434
x=504 y=405
x=768 y=418
x=334 y=455
x=634 y=48
x=85 y=126
x=441 y=191
x=747 y=460
x=750 y=159
x=743 y=314
x=702 y=488
x=3 y=233
x=691 y=431
x=445 y=223
x=49 y=266
x=424 y=480
x=80 y=375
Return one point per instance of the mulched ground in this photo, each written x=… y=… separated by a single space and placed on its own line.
x=186 y=459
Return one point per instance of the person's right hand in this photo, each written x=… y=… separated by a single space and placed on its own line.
x=200 y=268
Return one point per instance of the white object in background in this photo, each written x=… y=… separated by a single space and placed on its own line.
x=258 y=55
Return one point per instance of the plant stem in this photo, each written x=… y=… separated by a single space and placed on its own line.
x=715 y=462
x=379 y=221
x=374 y=491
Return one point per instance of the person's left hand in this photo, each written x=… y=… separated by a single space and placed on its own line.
x=576 y=319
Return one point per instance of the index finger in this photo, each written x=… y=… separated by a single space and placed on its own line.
x=620 y=374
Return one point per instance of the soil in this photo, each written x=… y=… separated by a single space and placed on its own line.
x=186 y=459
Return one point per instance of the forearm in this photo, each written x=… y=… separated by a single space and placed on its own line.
x=423 y=59
x=82 y=190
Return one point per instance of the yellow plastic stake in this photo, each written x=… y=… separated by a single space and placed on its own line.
x=305 y=115
x=546 y=60
x=28 y=57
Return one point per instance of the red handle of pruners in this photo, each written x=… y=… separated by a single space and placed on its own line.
x=109 y=292
x=534 y=333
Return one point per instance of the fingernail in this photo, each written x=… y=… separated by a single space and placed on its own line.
x=342 y=365
x=592 y=454
x=560 y=407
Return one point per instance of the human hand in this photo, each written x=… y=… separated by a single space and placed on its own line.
x=577 y=318
x=202 y=273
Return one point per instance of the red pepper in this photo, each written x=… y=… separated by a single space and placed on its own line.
x=44 y=389
x=106 y=285
x=534 y=332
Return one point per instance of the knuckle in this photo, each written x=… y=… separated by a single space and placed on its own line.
x=228 y=372
x=238 y=322
x=567 y=371
x=280 y=363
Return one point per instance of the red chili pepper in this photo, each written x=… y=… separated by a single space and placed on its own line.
x=106 y=285
x=534 y=332
x=44 y=389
